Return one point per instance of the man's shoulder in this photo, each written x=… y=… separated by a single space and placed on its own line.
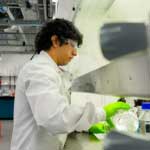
x=37 y=69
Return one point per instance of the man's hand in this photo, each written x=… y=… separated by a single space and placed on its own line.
x=112 y=108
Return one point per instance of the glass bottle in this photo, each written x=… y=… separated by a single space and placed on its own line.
x=144 y=119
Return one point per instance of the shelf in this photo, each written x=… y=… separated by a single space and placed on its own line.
x=7 y=86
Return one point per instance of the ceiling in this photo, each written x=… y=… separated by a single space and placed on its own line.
x=20 y=20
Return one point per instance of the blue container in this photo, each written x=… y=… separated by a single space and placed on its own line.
x=146 y=106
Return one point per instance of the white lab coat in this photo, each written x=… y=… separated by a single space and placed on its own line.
x=42 y=113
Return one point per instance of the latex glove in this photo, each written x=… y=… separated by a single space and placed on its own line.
x=101 y=127
x=112 y=108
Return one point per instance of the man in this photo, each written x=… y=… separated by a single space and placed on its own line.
x=42 y=113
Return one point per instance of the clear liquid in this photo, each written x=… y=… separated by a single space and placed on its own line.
x=126 y=121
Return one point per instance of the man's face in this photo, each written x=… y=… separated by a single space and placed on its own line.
x=66 y=52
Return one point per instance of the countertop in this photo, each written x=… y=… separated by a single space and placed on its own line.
x=83 y=141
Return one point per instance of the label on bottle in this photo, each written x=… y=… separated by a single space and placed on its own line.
x=144 y=127
x=147 y=126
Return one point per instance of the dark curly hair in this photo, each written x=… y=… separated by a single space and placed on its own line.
x=64 y=30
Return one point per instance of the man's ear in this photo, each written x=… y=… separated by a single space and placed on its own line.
x=55 y=41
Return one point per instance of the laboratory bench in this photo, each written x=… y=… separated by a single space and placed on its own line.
x=83 y=141
x=75 y=141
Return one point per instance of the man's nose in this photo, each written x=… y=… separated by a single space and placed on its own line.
x=74 y=53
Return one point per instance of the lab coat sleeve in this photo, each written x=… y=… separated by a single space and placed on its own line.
x=51 y=111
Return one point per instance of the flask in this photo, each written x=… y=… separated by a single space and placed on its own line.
x=126 y=121
x=144 y=119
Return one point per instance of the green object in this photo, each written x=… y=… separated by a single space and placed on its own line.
x=112 y=108
x=93 y=138
x=101 y=127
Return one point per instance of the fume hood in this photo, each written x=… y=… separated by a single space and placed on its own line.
x=119 y=48
x=117 y=45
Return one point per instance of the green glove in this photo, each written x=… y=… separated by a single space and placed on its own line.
x=101 y=127
x=112 y=108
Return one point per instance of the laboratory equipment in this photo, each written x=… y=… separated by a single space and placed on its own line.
x=122 y=141
x=144 y=119
x=115 y=40
x=128 y=74
x=126 y=121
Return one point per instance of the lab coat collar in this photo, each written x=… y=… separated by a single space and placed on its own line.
x=49 y=58
x=59 y=69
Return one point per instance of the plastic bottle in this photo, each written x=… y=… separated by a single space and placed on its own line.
x=144 y=119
